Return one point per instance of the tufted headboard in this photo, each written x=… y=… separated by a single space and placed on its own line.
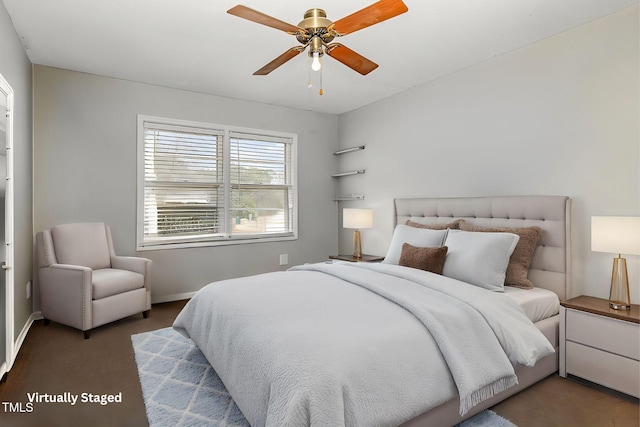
x=551 y=264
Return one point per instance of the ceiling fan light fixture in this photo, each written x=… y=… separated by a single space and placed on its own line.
x=316 y=65
x=315 y=52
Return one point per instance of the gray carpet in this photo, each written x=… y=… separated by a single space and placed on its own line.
x=181 y=389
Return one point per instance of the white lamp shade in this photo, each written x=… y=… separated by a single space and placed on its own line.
x=357 y=218
x=616 y=234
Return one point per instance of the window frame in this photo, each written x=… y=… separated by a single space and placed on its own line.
x=226 y=237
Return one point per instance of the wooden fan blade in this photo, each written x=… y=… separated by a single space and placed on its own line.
x=370 y=15
x=261 y=18
x=291 y=53
x=351 y=59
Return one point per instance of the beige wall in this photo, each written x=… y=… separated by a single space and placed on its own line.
x=557 y=117
x=15 y=67
x=85 y=170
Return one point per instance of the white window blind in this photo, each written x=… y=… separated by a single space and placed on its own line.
x=261 y=187
x=204 y=184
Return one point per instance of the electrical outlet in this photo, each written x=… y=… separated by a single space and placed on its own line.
x=29 y=289
x=284 y=259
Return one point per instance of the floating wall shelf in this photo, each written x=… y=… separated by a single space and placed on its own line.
x=349 y=198
x=349 y=150
x=338 y=175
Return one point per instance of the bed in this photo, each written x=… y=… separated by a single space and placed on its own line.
x=385 y=344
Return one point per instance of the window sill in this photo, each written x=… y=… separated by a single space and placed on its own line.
x=209 y=243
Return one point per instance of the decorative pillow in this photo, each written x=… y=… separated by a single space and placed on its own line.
x=420 y=237
x=455 y=225
x=428 y=259
x=479 y=258
x=520 y=260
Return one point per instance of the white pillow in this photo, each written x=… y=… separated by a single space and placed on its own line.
x=420 y=237
x=479 y=258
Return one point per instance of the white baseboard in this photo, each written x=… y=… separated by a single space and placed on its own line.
x=3 y=369
x=36 y=315
x=6 y=367
x=171 y=298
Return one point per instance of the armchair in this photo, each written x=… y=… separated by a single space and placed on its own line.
x=83 y=284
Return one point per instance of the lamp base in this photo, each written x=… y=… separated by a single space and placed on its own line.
x=617 y=305
x=357 y=245
x=619 y=298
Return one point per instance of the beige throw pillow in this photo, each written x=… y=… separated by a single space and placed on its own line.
x=520 y=260
x=428 y=259
x=455 y=225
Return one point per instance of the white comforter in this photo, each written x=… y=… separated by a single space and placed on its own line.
x=357 y=344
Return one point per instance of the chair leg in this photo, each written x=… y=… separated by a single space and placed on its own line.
x=145 y=313
x=46 y=322
x=86 y=334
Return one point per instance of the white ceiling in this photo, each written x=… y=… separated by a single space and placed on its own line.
x=195 y=45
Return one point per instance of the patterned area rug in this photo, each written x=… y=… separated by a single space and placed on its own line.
x=179 y=386
x=180 y=389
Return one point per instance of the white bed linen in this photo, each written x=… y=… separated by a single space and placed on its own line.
x=308 y=348
x=537 y=303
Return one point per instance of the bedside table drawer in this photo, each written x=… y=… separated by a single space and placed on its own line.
x=601 y=332
x=607 y=369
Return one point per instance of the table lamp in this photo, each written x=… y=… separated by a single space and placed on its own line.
x=357 y=219
x=621 y=235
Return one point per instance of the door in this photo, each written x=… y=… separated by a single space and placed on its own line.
x=6 y=229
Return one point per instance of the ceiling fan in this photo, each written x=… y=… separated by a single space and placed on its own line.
x=316 y=31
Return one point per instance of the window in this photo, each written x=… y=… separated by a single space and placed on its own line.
x=201 y=184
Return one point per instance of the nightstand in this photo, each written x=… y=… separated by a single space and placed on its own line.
x=600 y=344
x=351 y=258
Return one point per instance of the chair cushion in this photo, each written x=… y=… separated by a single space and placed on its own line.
x=110 y=281
x=82 y=244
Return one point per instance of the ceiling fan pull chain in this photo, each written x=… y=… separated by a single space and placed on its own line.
x=320 y=92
